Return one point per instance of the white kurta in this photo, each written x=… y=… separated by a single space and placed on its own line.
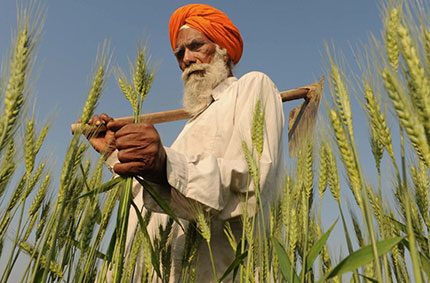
x=206 y=164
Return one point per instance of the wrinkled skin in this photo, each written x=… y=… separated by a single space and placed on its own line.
x=139 y=146
x=192 y=47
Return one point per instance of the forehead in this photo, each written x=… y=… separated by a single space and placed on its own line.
x=189 y=34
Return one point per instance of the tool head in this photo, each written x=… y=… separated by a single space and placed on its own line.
x=302 y=119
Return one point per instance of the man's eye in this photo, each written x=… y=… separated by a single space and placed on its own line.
x=195 y=45
x=180 y=55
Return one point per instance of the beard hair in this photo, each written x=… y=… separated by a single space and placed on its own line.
x=201 y=79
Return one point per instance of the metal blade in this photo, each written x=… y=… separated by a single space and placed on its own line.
x=302 y=119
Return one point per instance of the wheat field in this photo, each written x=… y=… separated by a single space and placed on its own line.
x=75 y=232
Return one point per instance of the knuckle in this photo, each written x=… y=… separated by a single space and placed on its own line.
x=146 y=125
x=121 y=156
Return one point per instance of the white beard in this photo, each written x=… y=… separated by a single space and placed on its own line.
x=201 y=79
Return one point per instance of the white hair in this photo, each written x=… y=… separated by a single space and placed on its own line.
x=201 y=79
x=183 y=27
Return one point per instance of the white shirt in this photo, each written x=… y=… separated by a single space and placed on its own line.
x=206 y=164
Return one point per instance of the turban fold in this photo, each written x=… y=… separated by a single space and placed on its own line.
x=210 y=21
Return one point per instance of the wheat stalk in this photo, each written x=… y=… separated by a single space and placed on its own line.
x=53 y=266
x=134 y=253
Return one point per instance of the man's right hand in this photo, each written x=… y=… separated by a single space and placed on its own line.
x=103 y=142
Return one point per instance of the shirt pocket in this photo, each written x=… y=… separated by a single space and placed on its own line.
x=201 y=138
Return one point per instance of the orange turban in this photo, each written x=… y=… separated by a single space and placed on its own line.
x=210 y=21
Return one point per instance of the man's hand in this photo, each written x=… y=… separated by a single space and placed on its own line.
x=140 y=151
x=102 y=142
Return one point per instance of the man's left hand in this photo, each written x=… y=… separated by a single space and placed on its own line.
x=140 y=151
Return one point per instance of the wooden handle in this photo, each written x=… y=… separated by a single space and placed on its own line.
x=180 y=114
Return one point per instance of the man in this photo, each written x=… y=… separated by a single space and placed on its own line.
x=205 y=166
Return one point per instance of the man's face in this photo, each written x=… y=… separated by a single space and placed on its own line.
x=192 y=46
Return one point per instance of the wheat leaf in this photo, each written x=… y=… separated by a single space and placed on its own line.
x=316 y=248
x=236 y=262
x=143 y=224
x=101 y=189
x=159 y=200
x=368 y=278
x=284 y=262
x=111 y=247
x=361 y=257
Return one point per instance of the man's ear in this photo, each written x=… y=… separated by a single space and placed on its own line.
x=227 y=58
x=229 y=64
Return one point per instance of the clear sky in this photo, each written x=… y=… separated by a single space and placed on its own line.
x=284 y=39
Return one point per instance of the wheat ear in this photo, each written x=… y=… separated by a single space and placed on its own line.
x=419 y=82
x=407 y=117
x=341 y=97
x=14 y=95
x=347 y=157
x=377 y=120
x=97 y=85
x=392 y=21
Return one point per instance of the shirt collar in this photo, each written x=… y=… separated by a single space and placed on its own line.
x=219 y=89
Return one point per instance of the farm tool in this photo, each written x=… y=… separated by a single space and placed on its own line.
x=301 y=121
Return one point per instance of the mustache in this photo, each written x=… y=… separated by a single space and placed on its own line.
x=194 y=68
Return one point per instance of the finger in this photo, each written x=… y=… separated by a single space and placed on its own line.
x=115 y=125
x=127 y=142
x=140 y=131
x=95 y=120
x=105 y=117
x=129 y=168
x=142 y=154
x=127 y=138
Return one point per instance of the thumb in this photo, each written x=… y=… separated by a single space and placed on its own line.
x=115 y=125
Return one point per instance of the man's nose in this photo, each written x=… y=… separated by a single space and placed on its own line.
x=189 y=57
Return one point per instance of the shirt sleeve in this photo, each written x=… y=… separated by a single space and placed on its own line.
x=219 y=183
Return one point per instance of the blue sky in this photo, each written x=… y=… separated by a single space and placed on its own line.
x=284 y=39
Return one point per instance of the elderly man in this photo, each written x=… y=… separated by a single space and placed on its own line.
x=205 y=165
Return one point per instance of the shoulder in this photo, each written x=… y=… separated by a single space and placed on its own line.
x=255 y=77
x=257 y=84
